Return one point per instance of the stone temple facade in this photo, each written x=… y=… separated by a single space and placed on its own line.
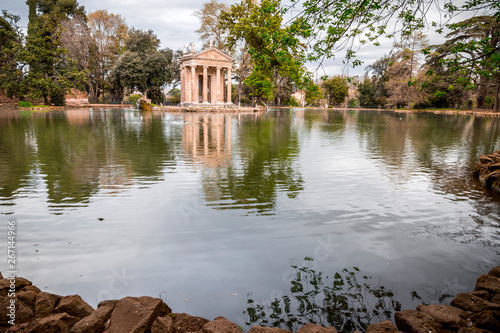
x=206 y=78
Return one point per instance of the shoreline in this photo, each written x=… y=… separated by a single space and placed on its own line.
x=175 y=108
x=32 y=310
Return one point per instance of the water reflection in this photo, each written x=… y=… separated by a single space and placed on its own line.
x=77 y=153
x=266 y=164
x=348 y=301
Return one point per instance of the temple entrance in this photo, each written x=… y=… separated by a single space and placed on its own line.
x=200 y=89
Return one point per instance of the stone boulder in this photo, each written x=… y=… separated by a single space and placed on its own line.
x=163 y=325
x=261 y=329
x=313 y=328
x=495 y=272
x=60 y=322
x=96 y=321
x=184 y=323
x=28 y=297
x=23 y=312
x=383 y=327
x=136 y=314
x=75 y=306
x=487 y=319
x=488 y=282
x=18 y=285
x=412 y=321
x=222 y=325
x=448 y=316
x=45 y=304
x=472 y=303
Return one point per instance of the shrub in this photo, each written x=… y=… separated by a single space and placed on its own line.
x=291 y=101
x=353 y=103
x=176 y=98
x=25 y=104
x=134 y=98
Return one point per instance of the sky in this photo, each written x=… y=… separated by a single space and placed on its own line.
x=174 y=24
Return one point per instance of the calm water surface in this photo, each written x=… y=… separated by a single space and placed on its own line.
x=276 y=219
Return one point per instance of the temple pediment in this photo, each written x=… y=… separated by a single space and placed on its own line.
x=212 y=53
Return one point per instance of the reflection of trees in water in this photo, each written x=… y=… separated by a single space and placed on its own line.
x=78 y=151
x=347 y=301
x=266 y=165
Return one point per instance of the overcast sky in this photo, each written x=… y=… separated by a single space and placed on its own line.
x=173 y=22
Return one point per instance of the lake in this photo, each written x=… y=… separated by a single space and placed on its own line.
x=278 y=218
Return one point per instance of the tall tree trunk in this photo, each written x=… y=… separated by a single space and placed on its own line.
x=496 y=99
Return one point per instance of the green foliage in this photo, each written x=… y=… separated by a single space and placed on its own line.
x=24 y=104
x=340 y=23
x=11 y=38
x=134 y=98
x=366 y=93
x=336 y=90
x=274 y=47
x=291 y=101
x=353 y=103
x=313 y=95
x=176 y=98
x=143 y=67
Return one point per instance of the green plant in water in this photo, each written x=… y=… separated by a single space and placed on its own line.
x=134 y=98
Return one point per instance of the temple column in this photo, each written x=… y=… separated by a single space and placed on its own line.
x=229 y=85
x=194 y=86
x=183 y=85
x=217 y=86
x=205 y=85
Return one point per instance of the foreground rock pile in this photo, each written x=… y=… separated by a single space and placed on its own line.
x=488 y=170
x=41 y=312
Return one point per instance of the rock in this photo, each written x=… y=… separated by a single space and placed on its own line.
x=163 y=325
x=75 y=306
x=472 y=330
x=60 y=322
x=136 y=314
x=16 y=329
x=96 y=321
x=28 y=297
x=23 y=313
x=484 y=294
x=384 y=327
x=45 y=304
x=412 y=321
x=19 y=283
x=447 y=315
x=184 y=323
x=488 y=282
x=260 y=329
x=469 y=302
x=487 y=319
x=494 y=166
x=31 y=288
x=222 y=325
x=313 y=328
x=1 y=276
x=496 y=299
x=495 y=272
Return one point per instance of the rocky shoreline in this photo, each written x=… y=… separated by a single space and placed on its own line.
x=487 y=170
x=35 y=311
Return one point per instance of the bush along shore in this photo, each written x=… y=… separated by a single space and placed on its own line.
x=35 y=311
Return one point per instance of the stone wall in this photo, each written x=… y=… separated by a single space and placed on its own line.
x=41 y=312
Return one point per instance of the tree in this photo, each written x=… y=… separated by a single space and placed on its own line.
x=366 y=93
x=108 y=32
x=51 y=72
x=472 y=54
x=11 y=39
x=335 y=90
x=143 y=66
x=313 y=94
x=275 y=49
x=210 y=26
x=403 y=71
x=342 y=23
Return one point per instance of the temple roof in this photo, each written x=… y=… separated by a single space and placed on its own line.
x=208 y=54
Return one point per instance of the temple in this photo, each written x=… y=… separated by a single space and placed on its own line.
x=205 y=78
